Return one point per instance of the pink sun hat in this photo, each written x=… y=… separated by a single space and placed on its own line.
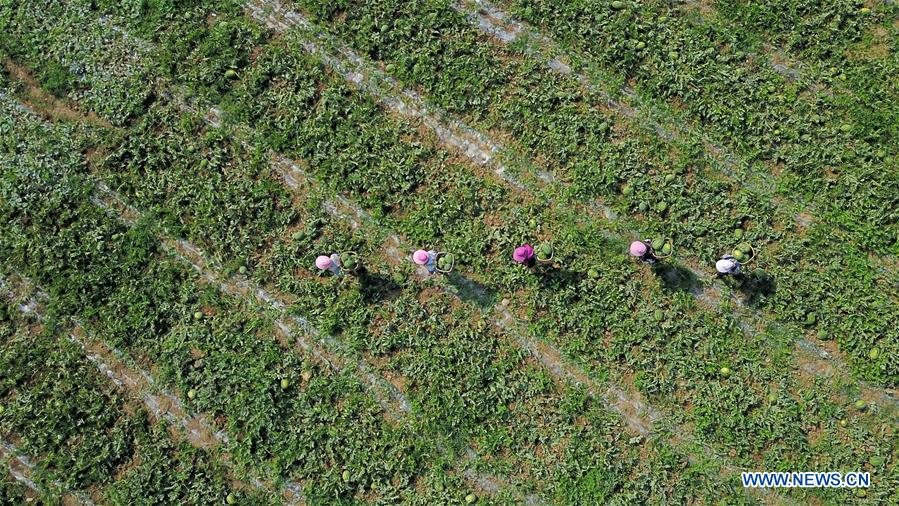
x=323 y=262
x=638 y=248
x=420 y=257
x=523 y=253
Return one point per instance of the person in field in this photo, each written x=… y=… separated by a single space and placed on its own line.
x=524 y=254
x=426 y=258
x=329 y=263
x=643 y=251
x=727 y=266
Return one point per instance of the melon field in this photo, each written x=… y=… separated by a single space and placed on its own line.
x=171 y=172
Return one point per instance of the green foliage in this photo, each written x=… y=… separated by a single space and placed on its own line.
x=13 y=492
x=468 y=382
x=57 y=79
x=551 y=119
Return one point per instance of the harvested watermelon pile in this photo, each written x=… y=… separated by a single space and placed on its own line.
x=171 y=171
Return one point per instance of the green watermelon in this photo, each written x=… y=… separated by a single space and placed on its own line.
x=346 y=476
x=231 y=499
x=643 y=207
x=874 y=353
x=191 y=394
x=738 y=254
x=669 y=178
x=658 y=241
x=445 y=262
x=725 y=372
x=198 y=315
x=666 y=248
x=875 y=461
x=285 y=383
x=738 y=233
x=861 y=404
x=471 y=498
x=592 y=273
x=544 y=251
x=661 y=207
x=617 y=5
x=350 y=262
x=745 y=247
x=627 y=190
x=810 y=318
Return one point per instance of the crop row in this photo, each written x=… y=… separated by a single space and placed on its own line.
x=565 y=140
x=61 y=409
x=841 y=44
x=12 y=491
x=98 y=70
x=292 y=265
x=140 y=385
x=826 y=148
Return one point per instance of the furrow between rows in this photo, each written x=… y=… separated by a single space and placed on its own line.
x=19 y=465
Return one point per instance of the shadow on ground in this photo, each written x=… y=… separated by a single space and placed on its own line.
x=756 y=286
x=554 y=278
x=677 y=278
x=377 y=287
x=471 y=291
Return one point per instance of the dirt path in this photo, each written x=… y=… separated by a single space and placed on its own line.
x=51 y=107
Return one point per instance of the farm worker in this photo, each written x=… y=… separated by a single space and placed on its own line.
x=331 y=263
x=642 y=251
x=728 y=265
x=524 y=254
x=428 y=258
